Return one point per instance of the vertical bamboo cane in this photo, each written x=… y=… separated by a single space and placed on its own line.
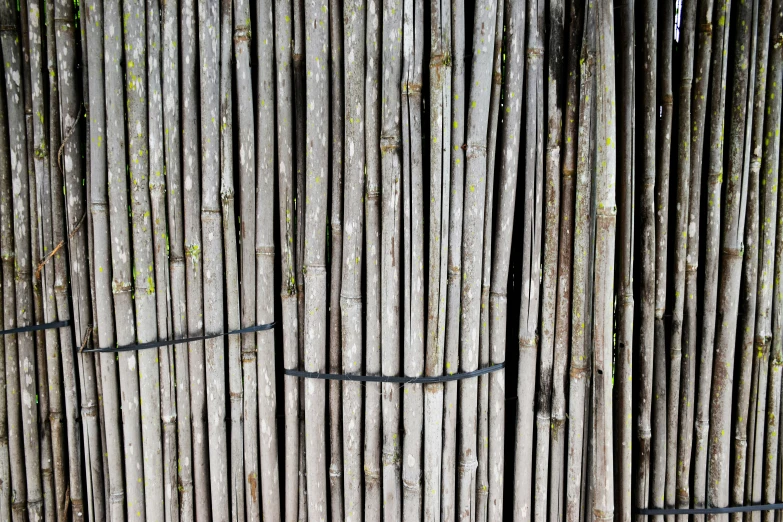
x=5 y=462
x=99 y=207
x=372 y=404
x=17 y=144
x=550 y=263
x=413 y=251
x=531 y=247
x=236 y=399
x=498 y=301
x=172 y=137
x=565 y=263
x=391 y=143
x=317 y=174
x=730 y=274
x=287 y=214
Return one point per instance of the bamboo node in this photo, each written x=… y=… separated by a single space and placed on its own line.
x=265 y=251
x=468 y=465
x=475 y=151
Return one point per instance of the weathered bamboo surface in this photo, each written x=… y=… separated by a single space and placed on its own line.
x=270 y=191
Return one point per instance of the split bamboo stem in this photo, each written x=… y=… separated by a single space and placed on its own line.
x=314 y=265
x=179 y=328
x=413 y=261
x=101 y=262
x=372 y=361
x=565 y=264
x=440 y=181
x=287 y=234
x=351 y=304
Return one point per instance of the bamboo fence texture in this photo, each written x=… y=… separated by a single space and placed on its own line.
x=261 y=260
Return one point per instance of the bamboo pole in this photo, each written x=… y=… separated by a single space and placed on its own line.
x=287 y=235
x=174 y=169
x=482 y=473
x=372 y=362
x=265 y=271
x=121 y=263
x=453 y=281
x=531 y=247
x=17 y=146
x=5 y=459
x=351 y=304
x=18 y=484
x=314 y=266
x=440 y=180
x=743 y=453
x=413 y=260
x=391 y=167
x=582 y=280
x=565 y=263
x=730 y=272
x=626 y=158
x=99 y=207
x=245 y=382
x=236 y=473
x=679 y=377
x=193 y=255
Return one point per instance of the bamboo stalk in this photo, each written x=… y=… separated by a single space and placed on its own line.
x=236 y=480
x=413 y=261
x=550 y=263
x=531 y=247
x=193 y=256
x=265 y=263
x=121 y=262
x=391 y=167
x=730 y=272
x=351 y=304
x=5 y=459
x=679 y=378
x=372 y=404
x=179 y=330
x=578 y=437
x=99 y=207
x=18 y=484
x=565 y=263
x=314 y=267
x=287 y=214
x=509 y=159
x=749 y=283
x=17 y=144
x=482 y=474
x=440 y=180
x=453 y=294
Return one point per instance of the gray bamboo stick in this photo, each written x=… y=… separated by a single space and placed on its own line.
x=749 y=284
x=136 y=95
x=5 y=459
x=730 y=272
x=551 y=260
x=532 y=246
x=193 y=255
x=248 y=379
x=482 y=473
x=679 y=377
x=101 y=262
x=265 y=259
x=453 y=294
x=18 y=484
x=351 y=304
x=413 y=260
x=121 y=263
x=236 y=472
x=582 y=280
x=563 y=319
x=314 y=267
x=372 y=404
x=179 y=328
x=287 y=235
x=498 y=300
x=391 y=214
